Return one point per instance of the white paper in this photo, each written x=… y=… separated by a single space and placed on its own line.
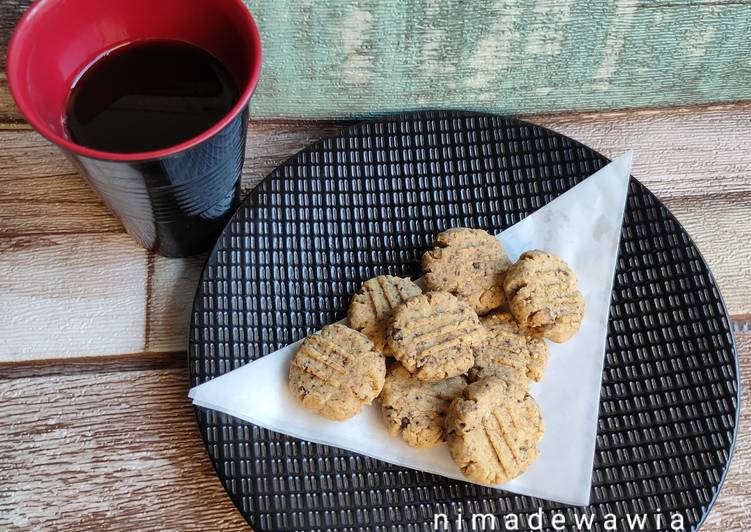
x=583 y=227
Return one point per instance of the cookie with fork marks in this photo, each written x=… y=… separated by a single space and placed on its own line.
x=372 y=305
x=493 y=429
x=336 y=372
x=433 y=334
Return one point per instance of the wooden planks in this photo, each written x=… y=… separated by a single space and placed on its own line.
x=71 y=295
x=57 y=236
x=679 y=153
x=9 y=113
x=78 y=341
x=120 y=450
x=123 y=448
x=97 y=429
x=172 y=285
x=363 y=57
x=697 y=161
x=40 y=192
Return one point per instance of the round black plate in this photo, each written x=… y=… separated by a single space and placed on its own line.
x=369 y=201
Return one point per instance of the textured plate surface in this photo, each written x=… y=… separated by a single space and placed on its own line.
x=369 y=201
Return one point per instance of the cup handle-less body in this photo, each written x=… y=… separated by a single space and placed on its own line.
x=173 y=200
x=178 y=204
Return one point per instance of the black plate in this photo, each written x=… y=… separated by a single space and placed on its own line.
x=369 y=201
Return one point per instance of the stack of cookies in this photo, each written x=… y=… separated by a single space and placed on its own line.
x=462 y=353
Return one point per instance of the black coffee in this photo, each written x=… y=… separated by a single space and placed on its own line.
x=147 y=96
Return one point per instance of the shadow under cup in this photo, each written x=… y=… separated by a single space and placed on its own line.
x=173 y=200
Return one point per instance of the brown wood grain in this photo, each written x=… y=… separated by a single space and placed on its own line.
x=58 y=237
x=106 y=450
x=74 y=343
x=9 y=113
x=40 y=192
x=678 y=153
x=82 y=451
x=696 y=160
x=97 y=431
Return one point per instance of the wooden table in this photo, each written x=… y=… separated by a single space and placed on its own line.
x=97 y=430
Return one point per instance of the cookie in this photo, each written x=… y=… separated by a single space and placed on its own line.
x=416 y=410
x=470 y=264
x=493 y=429
x=507 y=353
x=433 y=334
x=337 y=371
x=371 y=307
x=538 y=349
x=544 y=297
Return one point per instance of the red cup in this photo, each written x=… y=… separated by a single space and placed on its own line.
x=173 y=200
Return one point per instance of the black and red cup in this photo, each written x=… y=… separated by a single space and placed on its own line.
x=174 y=200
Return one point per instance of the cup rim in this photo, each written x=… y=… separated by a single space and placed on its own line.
x=25 y=104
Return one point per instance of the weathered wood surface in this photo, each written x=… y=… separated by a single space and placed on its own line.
x=9 y=113
x=61 y=293
x=92 y=333
x=122 y=450
x=359 y=57
x=60 y=249
x=97 y=431
x=106 y=451
x=72 y=283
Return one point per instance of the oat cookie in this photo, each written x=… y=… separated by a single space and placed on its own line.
x=432 y=335
x=372 y=305
x=470 y=264
x=493 y=430
x=337 y=371
x=415 y=409
x=544 y=297
x=506 y=352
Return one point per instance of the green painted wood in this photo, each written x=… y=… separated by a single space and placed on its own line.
x=344 y=58
x=341 y=58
